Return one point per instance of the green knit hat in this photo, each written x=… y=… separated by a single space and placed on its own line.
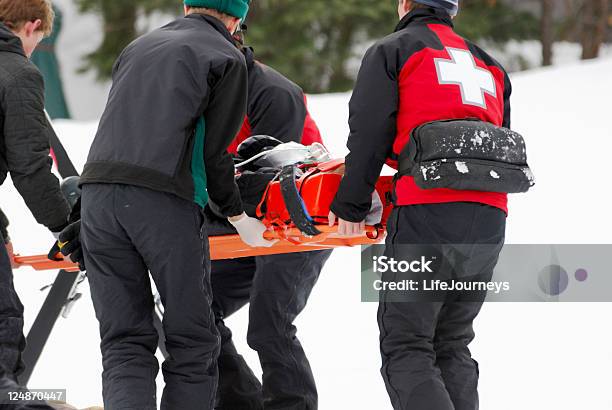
x=236 y=8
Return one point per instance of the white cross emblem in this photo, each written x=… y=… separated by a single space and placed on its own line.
x=462 y=70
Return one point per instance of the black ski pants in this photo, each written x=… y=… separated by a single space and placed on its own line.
x=426 y=362
x=8 y=388
x=12 y=340
x=128 y=233
x=277 y=288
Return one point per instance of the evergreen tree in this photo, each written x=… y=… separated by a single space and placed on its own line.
x=119 y=19
x=495 y=20
x=312 y=41
x=316 y=43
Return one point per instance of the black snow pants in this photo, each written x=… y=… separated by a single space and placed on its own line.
x=128 y=232
x=277 y=288
x=426 y=362
x=12 y=341
x=8 y=388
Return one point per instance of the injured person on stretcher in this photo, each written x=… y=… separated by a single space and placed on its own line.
x=290 y=187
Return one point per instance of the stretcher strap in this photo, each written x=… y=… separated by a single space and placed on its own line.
x=295 y=203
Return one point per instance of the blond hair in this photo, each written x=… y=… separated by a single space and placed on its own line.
x=16 y=13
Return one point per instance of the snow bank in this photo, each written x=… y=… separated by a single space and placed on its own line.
x=531 y=356
x=523 y=55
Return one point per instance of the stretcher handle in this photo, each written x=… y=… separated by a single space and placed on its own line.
x=231 y=246
x=42 y=262
x=327 y=233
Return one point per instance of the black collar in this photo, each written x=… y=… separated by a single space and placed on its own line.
x=9 y=41
x=428 y=15
x=249 y=56
x=215 y=23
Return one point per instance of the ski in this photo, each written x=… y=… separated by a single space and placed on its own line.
x=62 y=292
x=64 y=165
x=42 y=327
x=158 y=314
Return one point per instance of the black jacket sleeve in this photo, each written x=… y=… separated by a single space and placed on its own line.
x=279 y=113
x=372 y=119
x=4 y=223
x=507 y=93
x=224 y=116
x=26 y=134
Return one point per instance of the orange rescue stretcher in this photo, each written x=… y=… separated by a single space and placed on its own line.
x=316 y=185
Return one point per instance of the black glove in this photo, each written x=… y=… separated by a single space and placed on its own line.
x=70 y=240
x=53 y=253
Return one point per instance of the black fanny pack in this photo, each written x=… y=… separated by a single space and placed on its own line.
x=467 y=155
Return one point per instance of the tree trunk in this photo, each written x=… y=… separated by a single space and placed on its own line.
x=547 y=32
x=119 y=19
x=594 y=25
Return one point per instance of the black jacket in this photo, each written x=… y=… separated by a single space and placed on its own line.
x=164 y=83
x=24 y=135
x=276 y=105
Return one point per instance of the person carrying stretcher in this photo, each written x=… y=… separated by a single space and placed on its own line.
x=276 y=286
x=159 y=153
x=24 y=154
x=436 y=107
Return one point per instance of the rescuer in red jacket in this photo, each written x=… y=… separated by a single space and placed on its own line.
x=277 y=287
x=425 y=72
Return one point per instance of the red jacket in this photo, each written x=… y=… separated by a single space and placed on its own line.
x=421 y=73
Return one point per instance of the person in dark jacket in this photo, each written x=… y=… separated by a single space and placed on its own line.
x=24 y=153
x=272 y=98
x=177 y=100
x=276 y=286
x=421 y=73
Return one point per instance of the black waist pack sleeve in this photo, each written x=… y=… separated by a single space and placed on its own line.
x=467 y=155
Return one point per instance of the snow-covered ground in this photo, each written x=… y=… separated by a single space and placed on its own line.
x=532 y=356
x=523 y=55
